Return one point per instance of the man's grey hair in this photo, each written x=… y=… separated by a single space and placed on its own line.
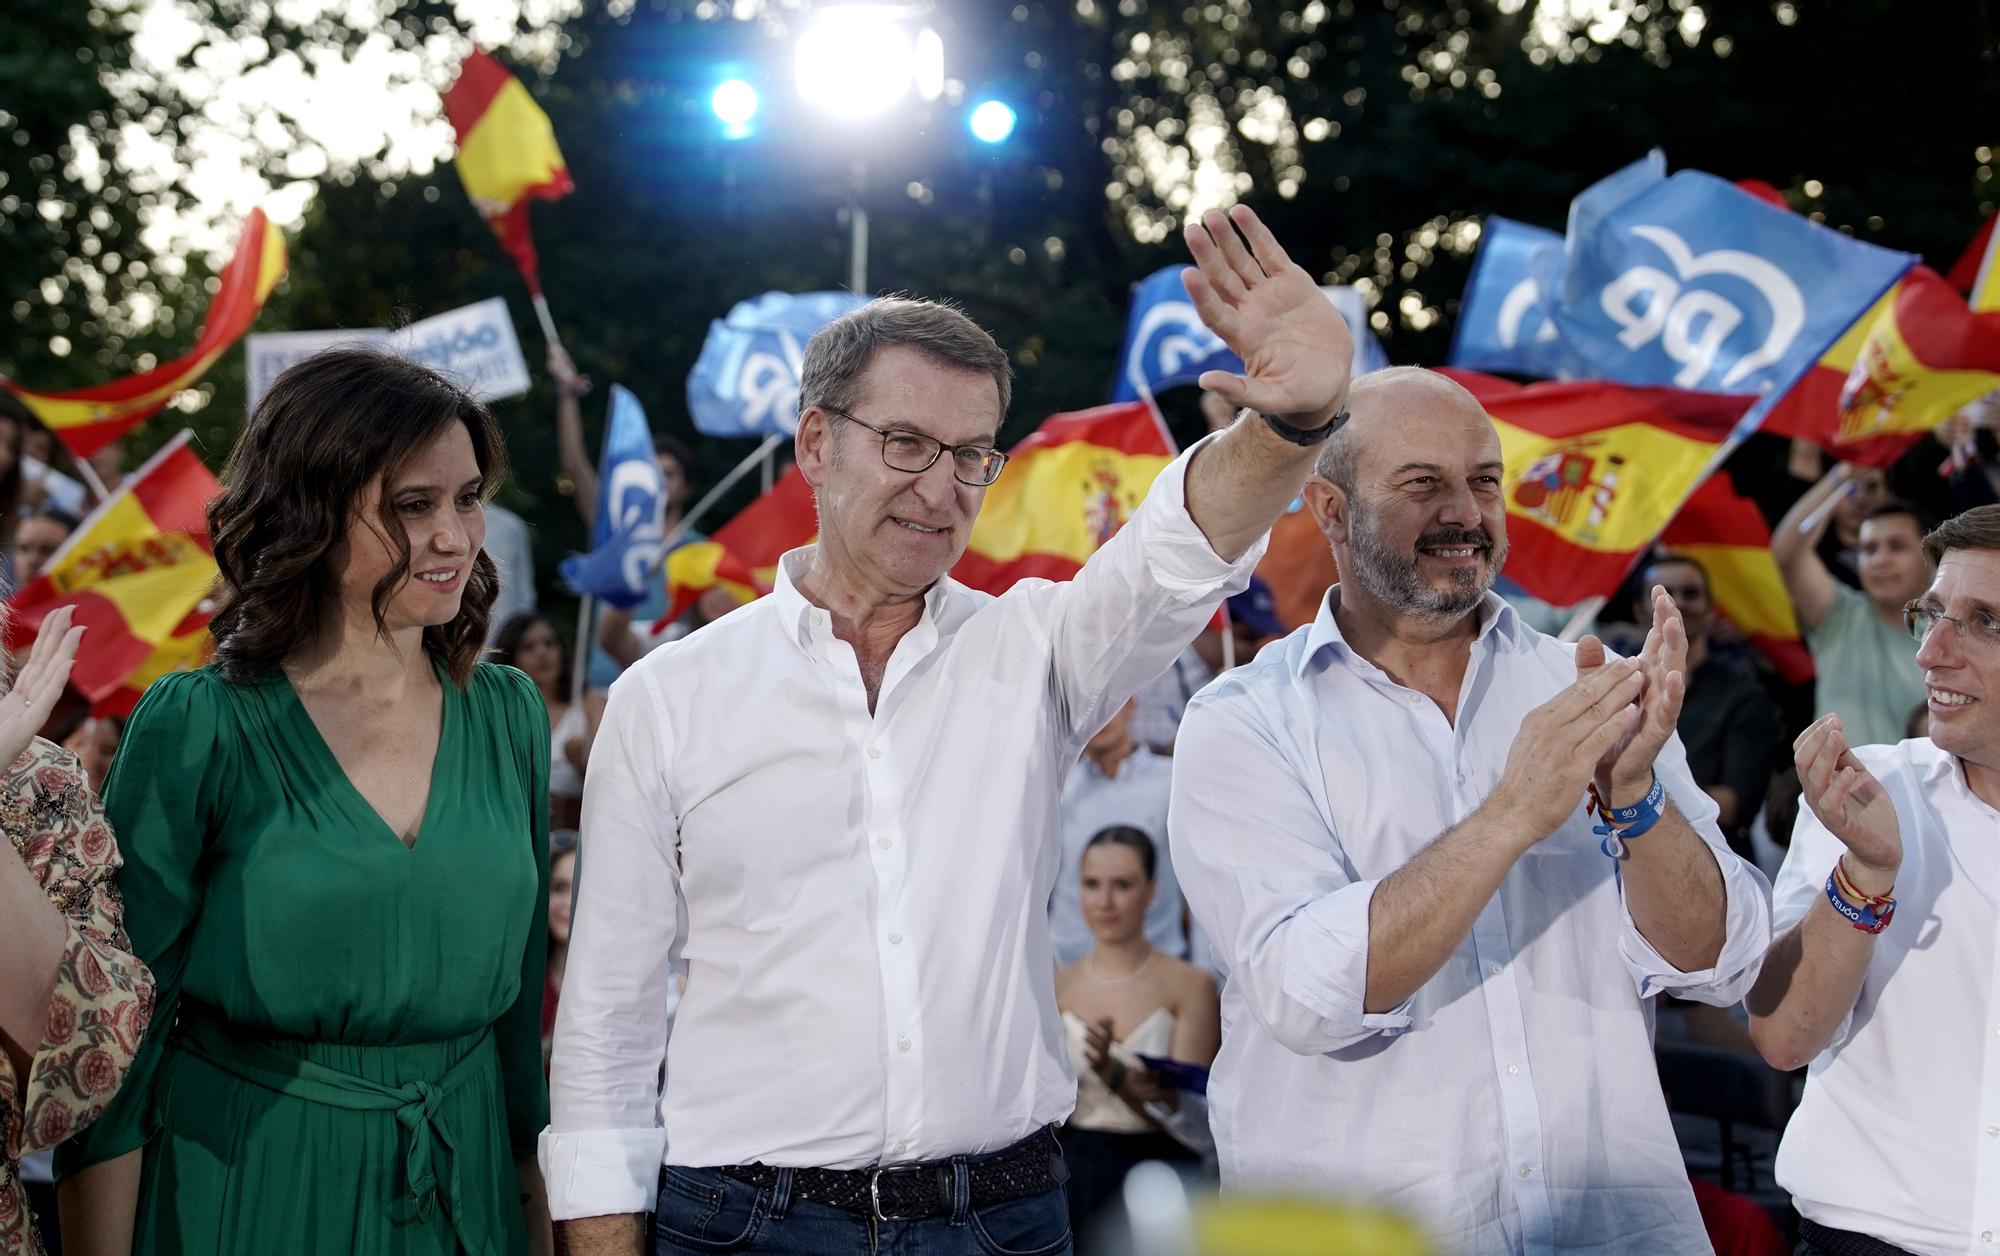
x=839 y=353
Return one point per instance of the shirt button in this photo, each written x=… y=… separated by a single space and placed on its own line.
x=1993 y=1131
x=1461 y=778
x=874 y=752
x=884 y=843
x=896 y=939
x=1986 y=1236
x=1513 y=1070
x=1526 y=1170
x=897 y=1149
x=902 y=1044
x=1495 y=969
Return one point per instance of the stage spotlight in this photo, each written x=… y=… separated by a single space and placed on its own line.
x=992 y=121
x=734 y=104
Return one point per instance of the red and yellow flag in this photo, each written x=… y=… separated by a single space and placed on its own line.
x=1594 y=471
x=90 y=418
x=1067 y=489
x=507 y=155
x=1727 y=534
x=138 y=571
x=1922 y=359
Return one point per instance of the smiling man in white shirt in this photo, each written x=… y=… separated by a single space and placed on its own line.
x=838 y=806
x=1883 y=975
x=1439 y=974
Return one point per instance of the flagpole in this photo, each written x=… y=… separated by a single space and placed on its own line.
x=91 y=480
x=548 y=323
x=579 y=668
x=1580 y=618
x=708 y=500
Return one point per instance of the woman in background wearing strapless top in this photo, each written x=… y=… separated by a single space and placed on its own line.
x=1123 y=1000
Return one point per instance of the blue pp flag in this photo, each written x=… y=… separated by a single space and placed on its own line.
x=627 y=541
x=1503 y=323
x=746 y=381
x=1166 y=343
x=1682 y=281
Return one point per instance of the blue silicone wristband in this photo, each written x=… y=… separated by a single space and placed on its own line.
x=1864 y=917
x=1625 y=823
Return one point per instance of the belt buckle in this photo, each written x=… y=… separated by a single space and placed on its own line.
x=875 y=1188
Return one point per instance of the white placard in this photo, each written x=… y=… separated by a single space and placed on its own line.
x=474 y=345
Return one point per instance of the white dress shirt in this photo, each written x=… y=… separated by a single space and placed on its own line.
x=1093 y=802
x=1511 y=1104
x=861 y=900
x=1898 y=1135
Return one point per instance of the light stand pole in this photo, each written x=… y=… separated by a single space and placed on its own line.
x=857 y=230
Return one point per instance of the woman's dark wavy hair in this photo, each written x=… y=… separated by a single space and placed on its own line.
x=507 y=645
x=329 y=428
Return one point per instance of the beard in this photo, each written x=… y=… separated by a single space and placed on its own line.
x=1392 y=577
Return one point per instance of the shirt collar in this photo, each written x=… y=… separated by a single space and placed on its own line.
x=1324 y=642
x=801 y=616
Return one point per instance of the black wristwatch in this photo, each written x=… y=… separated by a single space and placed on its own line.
x=1305 y=436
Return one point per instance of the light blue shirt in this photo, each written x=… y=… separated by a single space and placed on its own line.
x=1093 y=802
x=1511 y=1104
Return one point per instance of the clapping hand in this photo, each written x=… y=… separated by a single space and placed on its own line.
x=1297 y=352
x=1625 y=772
x=28 y=701
x=1850 y=802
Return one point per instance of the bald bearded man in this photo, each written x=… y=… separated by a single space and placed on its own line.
x=1440 y=960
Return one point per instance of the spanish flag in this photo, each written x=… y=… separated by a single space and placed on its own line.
x=1594 y=471
x=138 y=571
x=1066 y=490
x=507 y=155
x=1728 y=535
x=90 y=418
x=1922 y=359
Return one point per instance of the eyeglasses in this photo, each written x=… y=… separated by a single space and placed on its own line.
x=914 y=452
x=1981 y=632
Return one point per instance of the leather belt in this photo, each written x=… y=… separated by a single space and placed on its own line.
x=920 y=1191
x=1824 y=1238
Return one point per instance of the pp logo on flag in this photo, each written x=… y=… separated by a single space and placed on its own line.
x=1169 y=341
x=639 y=497
x=1691 y=322
x=769 y=383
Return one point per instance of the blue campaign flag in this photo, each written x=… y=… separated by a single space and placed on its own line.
x=1166 y=343
x=1503 y=322
x=626 y=542
x=1689 y=281
x=746 y=381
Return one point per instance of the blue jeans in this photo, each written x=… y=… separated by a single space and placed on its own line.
x=704 y=1210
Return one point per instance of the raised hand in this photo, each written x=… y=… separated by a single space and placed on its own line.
x=38 y=684
x=1850 y=802
x=1296 y=350
x=563 y=370
x=1560 y=743
x=1625 y=772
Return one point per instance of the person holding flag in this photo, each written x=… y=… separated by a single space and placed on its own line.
x=336 y=841
x=838 y=806
x=1438 y=957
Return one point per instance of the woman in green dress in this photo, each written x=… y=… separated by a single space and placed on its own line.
x=336 y=841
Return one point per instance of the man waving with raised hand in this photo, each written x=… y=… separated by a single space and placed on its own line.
x=839 y=808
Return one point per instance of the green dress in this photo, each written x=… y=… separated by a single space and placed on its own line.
x=346 y=1055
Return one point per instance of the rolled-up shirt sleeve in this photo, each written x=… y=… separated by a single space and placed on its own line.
x=1746 y=905
x=1264 y=873
x=1139 y=600
x=602 y=1152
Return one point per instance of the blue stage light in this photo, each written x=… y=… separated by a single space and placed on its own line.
x=992 y=121
x=734 y=104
